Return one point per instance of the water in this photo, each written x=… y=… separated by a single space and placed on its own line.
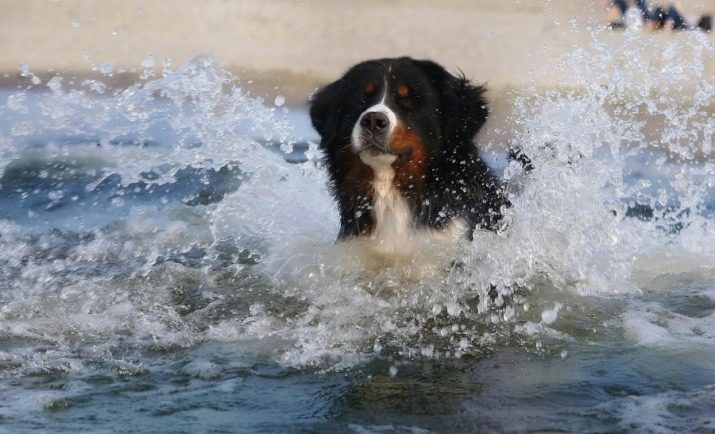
x=167 y=264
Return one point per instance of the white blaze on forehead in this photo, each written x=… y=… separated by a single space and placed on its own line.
x=381 y=107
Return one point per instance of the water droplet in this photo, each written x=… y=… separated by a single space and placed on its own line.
x=106 y=68
x=148 y=62
x=393 y=371
x=167 y=65
x=548 y=316
x=279 y=101
x=312 y=151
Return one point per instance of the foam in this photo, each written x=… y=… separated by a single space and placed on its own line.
x=259 y=266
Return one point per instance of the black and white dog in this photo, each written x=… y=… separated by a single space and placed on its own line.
x=397 y=135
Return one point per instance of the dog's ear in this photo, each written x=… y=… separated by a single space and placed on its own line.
x=324 y=111
x=463 y=107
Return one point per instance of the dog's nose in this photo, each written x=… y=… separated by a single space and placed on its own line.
x=374 y=121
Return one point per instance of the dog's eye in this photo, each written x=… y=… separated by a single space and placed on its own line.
x=370 y=88
x=406 y=97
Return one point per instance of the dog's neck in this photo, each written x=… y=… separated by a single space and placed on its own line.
x=392 y=216
x=394 y=226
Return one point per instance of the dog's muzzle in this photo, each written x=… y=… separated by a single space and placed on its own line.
x=373 y=130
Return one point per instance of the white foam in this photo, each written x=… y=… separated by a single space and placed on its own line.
x=656 y=326
x=308 y=301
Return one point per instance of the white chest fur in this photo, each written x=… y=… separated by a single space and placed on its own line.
x=394 y=230
x=393 y=218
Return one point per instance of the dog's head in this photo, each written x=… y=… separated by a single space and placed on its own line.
x=411 y=109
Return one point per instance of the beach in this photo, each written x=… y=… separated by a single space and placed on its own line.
x=292 y=47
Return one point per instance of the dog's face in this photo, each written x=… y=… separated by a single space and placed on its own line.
x=412 y=110
x=395 y=110
x=397 y=139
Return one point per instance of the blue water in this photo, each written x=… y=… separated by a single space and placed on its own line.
x=167 y=264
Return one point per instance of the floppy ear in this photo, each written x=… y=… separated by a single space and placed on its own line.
x=464 y=109
x=324 y=111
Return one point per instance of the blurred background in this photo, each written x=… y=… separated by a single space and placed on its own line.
x=299 y=45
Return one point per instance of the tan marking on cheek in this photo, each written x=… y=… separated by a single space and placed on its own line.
x=403 y=139
x=358 y=177
x=411 y=164
x=403 y=91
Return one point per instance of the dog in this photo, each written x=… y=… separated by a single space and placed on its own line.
x=397 y=138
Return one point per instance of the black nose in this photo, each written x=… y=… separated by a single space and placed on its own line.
x=374 y=121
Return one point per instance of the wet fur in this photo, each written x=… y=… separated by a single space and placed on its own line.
x=450 y=183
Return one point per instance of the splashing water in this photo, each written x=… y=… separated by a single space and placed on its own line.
x=182 y=217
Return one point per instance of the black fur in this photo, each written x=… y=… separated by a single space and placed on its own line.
x=446 y=112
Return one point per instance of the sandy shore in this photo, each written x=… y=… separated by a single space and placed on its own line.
x=299 y=45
